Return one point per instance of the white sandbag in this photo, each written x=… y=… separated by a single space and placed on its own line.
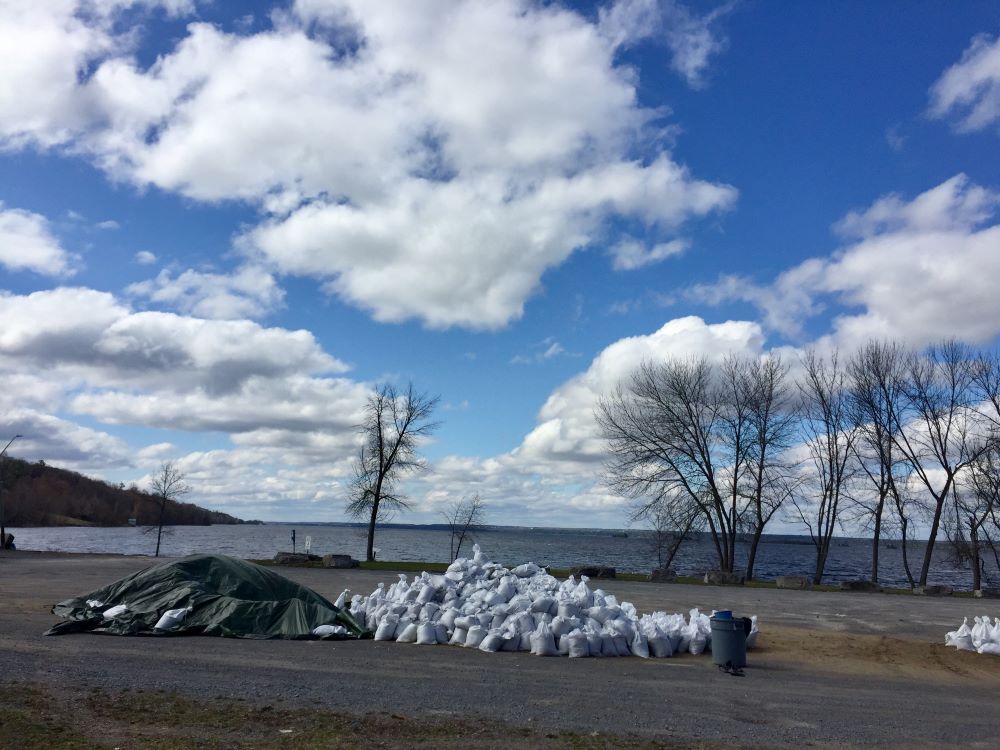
x=594 y=641
x=431 y=611
x=426 y=594
x=448 y=617
x=475 y=636
x=507 y=589
x=440 y=633
x=608 y=647
x=117 y=611
x=545 y=604
x=601 y=614
x=660 y=646
x=426 y=635
x=621 y=645
x=408 y=634
x=174 y=617
x=325 y=631
x=386 y=630
x=524 y=643
x=458 y=637
x=989 y=648
x=543 y=643
x=639 y=646
x=493 y=642
x=339 y=604
x=527 y=570
x=752 y=635
x=519 y=603
x=95 y=603
x=562 y=625
x=568 y=610
x=577 y=644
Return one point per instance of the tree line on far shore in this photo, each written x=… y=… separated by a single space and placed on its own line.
x=40 y=495
x=878 y=442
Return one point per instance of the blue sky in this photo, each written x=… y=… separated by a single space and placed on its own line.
x=219 y=231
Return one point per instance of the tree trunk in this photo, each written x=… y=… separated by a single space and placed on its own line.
x=906 y=561
x=935 y=525
x=159 y=529
x=822 y=551
x=752 y=553
x=370 y=551
x=977 y=581
x=877 y=536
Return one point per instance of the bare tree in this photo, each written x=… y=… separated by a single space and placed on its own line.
x=876 y=374
x=973 y=505
x=395 y=423
x=773 y=424
x=464 y=517
x=935 y=428
x=168 y=486
x=686 y=433
x=666 y=445
x=830 y=436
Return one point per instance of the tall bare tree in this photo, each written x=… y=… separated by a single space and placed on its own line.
x=770 y=479
x=973 y=508
x=464 y=517
x=394 y=425
x=830 y=433
x=936 y=427
x=665 y=434
x=876 y=374
x=168 y=486
x=685 y=432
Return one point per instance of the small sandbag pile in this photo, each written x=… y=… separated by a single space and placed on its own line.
x=983 y=637
x=481 y=604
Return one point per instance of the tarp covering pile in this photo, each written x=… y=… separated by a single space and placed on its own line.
x=207 y=595
x=983 y=637
x=481 y=604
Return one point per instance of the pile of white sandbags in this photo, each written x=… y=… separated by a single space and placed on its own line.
x=983 y=637
x=480 y=604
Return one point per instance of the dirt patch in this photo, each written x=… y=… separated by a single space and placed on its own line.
x=873 y=655
x=35 y=718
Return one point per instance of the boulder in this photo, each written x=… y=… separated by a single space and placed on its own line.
x=723 y=578
x=294 y=558
x=792 y=582
x=986 y=593
x=933 y=590
x=339 y=561
x=594 y=571
x=865 y=586
x=663 y=575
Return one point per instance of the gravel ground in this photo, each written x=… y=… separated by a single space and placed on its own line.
x=833 y=669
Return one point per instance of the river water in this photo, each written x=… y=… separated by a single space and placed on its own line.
x=778 y=555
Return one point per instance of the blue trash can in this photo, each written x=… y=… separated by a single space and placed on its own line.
x=729 y=641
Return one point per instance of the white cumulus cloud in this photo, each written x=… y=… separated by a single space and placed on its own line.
x=27 y=244
x=969 y=90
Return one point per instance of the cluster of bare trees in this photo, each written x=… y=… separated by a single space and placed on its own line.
x=885 y=441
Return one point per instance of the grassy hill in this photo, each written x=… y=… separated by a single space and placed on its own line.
x=41 y=495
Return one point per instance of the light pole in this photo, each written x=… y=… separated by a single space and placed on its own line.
x=3 y=529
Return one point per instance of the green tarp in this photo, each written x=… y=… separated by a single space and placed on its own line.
x=228 y=597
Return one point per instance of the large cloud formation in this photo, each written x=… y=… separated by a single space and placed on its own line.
x=423 y=161
x=905 y=265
